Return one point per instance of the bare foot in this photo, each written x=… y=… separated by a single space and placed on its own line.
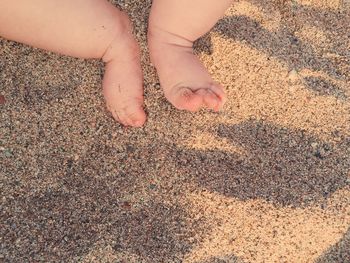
x=123 y=80
x=185 y=81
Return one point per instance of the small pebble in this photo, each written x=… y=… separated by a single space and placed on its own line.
x=8 y=153
x=292 y=143
x=126 y=205
x=18 y=241
x=2 y=99
x=314 y=145
x=152 y=186
x=293 y=76
x=320 y=153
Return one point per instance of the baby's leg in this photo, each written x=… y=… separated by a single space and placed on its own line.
x=85 y=29
x=173 y=27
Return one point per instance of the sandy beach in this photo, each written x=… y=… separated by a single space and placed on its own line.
x=265 y=180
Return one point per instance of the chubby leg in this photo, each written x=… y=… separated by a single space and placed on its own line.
x=85 y=29
x=173 y=27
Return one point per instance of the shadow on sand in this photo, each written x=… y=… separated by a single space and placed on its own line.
x=283 y=166
x=279 y=166
x=285 y=46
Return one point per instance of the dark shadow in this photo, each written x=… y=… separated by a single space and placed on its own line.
x=204 y=45
x=282 y=166
x=34 y=89
x=324 y=87
x=289 y=49
x=339 y=253
x=224 y=259
x=157 y=233
x=312 y=15
x=283 y=44
x=63 y=224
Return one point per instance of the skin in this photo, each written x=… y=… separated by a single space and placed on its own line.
x=173 y=27
x=97 y=29
x=84 y=29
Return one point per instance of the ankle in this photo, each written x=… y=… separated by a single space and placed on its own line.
x=162 y=44
x=158 y=35
x=123 y=46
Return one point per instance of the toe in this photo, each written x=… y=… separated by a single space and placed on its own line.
x=217 y=97
x=211 y=100
x=119 y=116
x=135 y=115
x=186 y=99
x=131 y=115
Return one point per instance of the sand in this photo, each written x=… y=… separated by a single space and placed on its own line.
x=266 y=180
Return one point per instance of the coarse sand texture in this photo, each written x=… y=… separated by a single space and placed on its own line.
x=267 y=179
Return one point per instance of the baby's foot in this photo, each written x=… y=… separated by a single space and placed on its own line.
x=123 y=81
x=185 y=81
